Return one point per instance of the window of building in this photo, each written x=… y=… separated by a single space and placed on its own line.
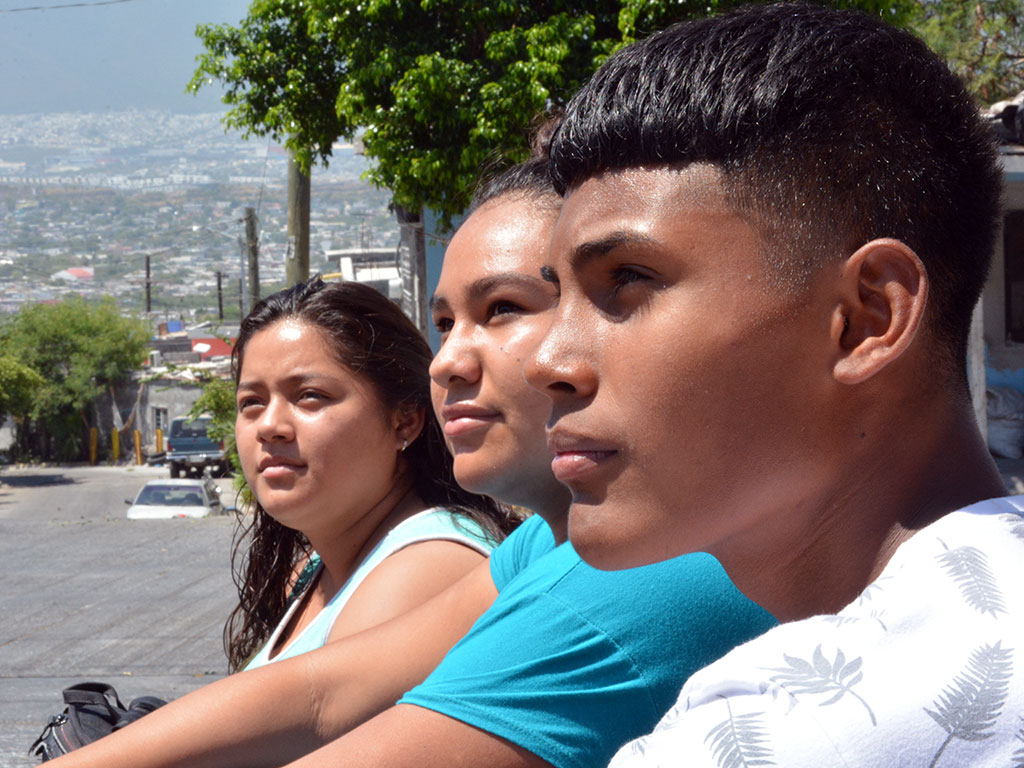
x=1013 y=266
x=160 y=419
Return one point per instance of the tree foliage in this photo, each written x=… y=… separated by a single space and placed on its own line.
x=982 y=41
x=17 y=385
x=282 y=80
x=439 y=90
x=217 y=401
x=79 y=349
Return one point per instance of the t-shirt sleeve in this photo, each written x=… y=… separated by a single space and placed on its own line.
x=572 y=705
x=531 y=540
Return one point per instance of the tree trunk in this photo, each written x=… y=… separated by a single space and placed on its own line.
x=297 y=260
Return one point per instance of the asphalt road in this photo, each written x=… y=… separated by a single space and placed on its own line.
x=87 y=595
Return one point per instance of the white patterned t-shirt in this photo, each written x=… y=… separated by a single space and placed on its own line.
x=925 y=668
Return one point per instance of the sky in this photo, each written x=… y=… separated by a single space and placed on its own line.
x=106 y=55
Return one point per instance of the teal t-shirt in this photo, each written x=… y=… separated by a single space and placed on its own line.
x=531 y=540
x=571 y=662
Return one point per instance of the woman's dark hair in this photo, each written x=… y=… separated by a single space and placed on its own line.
x=370 y=335
x=530 y=178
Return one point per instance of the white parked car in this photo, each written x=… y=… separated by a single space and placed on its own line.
x=165 y=499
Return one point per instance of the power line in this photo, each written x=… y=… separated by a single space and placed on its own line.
x=64 y=5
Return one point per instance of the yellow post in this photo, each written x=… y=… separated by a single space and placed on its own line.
x=94 y=436
x=138 y=445
x=115 y=443
x=159 y=440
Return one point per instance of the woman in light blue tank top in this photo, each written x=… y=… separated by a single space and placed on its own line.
x=352 y=482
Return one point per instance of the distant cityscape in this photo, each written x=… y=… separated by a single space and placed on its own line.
x=84 y=197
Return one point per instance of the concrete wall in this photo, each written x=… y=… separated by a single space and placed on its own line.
x=177 y=397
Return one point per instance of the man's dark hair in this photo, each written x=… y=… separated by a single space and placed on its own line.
x=830 y=128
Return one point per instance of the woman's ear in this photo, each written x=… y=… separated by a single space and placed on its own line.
x=408 y=423
x=884 y=293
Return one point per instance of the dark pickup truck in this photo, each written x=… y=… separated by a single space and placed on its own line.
x=190 y=449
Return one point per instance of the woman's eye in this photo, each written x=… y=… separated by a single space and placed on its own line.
x=443 y=324
x=247 y=402
x=312 y=395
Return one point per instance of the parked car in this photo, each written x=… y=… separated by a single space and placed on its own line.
x=190 y=450
x=164 y=499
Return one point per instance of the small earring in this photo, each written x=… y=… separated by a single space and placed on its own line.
x=405 y=444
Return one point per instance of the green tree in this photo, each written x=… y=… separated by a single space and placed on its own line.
x=440 y=90
x=79 y=349
x=281 y=79
x=982 y=41
x=18 y=383
x=217 y=400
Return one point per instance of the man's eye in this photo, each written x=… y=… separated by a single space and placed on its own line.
x=623 y=276
x=503 y=308
x=443 y=324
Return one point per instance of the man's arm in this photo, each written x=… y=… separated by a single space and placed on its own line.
x=279 y=712
x=407 y=736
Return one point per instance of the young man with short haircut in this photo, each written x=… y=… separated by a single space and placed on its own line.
x=777 y=223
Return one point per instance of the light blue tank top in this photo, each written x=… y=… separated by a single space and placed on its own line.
x=432 y=524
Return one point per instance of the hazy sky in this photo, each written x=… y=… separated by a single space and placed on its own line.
x=132 y=54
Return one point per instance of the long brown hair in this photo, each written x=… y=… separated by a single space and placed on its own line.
x=371 y=336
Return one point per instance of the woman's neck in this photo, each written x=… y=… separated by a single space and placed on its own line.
x=342 y=550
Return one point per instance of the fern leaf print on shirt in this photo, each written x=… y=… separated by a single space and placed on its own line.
x=1018 y=754
x=820 y=676
x=969 y=707
x=739 y=741
x=968 y=566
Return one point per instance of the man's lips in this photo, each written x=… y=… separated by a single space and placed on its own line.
x=460 y=418
x=576 y=456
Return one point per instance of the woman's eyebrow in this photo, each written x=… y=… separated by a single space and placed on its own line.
x=485 y=285
x=438 y=303
x=301 y=377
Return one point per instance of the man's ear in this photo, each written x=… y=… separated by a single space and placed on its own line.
x=883 y=296
x=408 y=423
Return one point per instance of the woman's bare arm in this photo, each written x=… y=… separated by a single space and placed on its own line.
x=277 y=713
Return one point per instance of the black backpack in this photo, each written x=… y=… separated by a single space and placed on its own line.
x=93 y=710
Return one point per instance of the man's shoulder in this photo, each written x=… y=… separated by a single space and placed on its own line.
x=922 y=664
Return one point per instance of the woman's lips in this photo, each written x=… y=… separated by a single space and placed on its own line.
x=275 y=467
x=460 y=419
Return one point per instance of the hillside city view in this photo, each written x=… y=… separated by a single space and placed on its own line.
x=84 y=197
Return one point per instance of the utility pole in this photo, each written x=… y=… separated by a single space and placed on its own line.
x=241 y=301
x=252 y=244
x=220 y=298
x=297 y=259
x=412 y=266
x=149 y=304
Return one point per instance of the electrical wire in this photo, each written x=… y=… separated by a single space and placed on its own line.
x=64 y=5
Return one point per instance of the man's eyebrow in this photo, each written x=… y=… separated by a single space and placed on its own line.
x=586 y=252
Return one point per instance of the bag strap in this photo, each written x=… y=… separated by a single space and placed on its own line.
x=139 y=707
x=95 y=694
